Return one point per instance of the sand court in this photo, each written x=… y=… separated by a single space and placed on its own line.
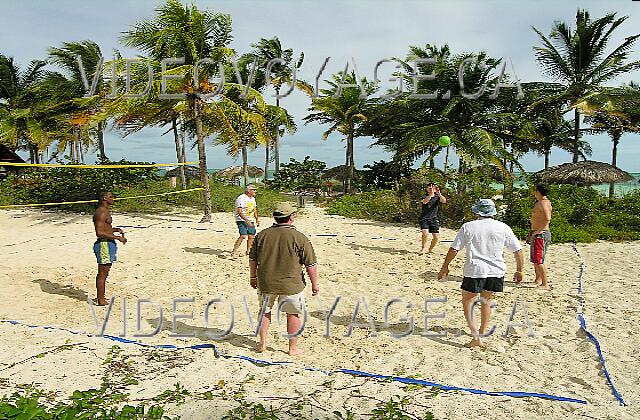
x=48 y=270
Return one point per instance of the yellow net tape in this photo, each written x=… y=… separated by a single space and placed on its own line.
x=59 y=165
x=95 y=201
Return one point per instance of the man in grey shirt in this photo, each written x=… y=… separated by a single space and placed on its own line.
x=275 y=268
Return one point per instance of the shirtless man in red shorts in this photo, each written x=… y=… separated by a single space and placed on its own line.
x=540 y=236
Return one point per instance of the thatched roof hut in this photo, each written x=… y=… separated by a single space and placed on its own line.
x=8 y=155
x=586 y=173
x=236 y=171
x=190 y=172
x=339 y=173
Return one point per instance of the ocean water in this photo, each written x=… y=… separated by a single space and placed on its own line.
x=621 y=188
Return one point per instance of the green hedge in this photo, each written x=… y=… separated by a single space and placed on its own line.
x=579 y=214
x=73 y=184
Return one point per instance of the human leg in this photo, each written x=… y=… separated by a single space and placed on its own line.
x=249 y=242
x=485 y=311
x=467 y=305
x=425 y=238
x=539 y=244
x=236 y=246
x=293 y=326
x=264 y=330
x=434 y=242
x=541 y=275
x=101 y=282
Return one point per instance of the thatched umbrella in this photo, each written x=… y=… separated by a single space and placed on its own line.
x=587 y=172
x=192 y=172
x=235 y=172
x=339 y=172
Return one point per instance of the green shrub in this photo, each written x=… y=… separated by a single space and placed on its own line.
x=579 y=214
x=305 y=175
x=70 y=184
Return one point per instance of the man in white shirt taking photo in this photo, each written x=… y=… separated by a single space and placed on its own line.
x=246 y=216
x=484 y=269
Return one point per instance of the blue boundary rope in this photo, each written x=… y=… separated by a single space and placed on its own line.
x=593 y=338
x=400 y=379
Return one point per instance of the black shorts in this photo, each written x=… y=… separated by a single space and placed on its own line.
x=432 y=224
x=490 y=284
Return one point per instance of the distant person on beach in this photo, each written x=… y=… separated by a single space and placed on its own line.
x=246 y=216
x=329 y=185
x=275 y=269
x=105 y=247
x=428 y=219
x=539 y=236
x=484 y=269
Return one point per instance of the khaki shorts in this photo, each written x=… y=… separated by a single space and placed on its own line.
x=293 y=304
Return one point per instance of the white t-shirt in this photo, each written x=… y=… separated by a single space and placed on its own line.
x=485 y=240
x=248 y=205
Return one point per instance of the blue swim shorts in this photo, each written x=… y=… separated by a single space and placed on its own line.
x=105 y=251
x=244 y=229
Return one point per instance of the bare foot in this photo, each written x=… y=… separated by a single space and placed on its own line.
x=100 y=302
x=475 y=343
x=544 y=286
x=295 y=351
x=537 y=282
x=260 y=347
x=421 y=252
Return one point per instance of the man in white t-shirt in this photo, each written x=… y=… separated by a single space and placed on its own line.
x=246 y=216
x=484 y=269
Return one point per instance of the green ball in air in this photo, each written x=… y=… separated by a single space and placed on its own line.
x=444 y=141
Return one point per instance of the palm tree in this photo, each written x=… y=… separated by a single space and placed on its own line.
x=278 y=121
x=87 y=111
x=578 y=60
x=247 y=128
x=264 y=51
x=410 y=128
x=22 y=111
x=186 y=31
x=345 y=113
x=615 y=112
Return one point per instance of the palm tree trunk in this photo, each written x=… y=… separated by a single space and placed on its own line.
x=72 y=146
x=446 y=159
x=103 y=155
x=266 y=160
x=432 y=162
x=576 y=135
x=276 y=145
x=183 y=154
x=350 y=164
x=245 y=169
x=35 y=154
x=182 y=158
x=547 y=155
x=202 y=158
x=614 y=160
x=176 y=139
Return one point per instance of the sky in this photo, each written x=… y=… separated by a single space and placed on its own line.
x=357 y=31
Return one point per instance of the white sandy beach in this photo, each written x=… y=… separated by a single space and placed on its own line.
x=48 y=269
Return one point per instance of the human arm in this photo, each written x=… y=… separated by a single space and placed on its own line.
x=443 y=199
x=444 y=271
x=312 y=272
x=257 y=218
x=519 y=256
x=253 y=273
x=243 y=216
